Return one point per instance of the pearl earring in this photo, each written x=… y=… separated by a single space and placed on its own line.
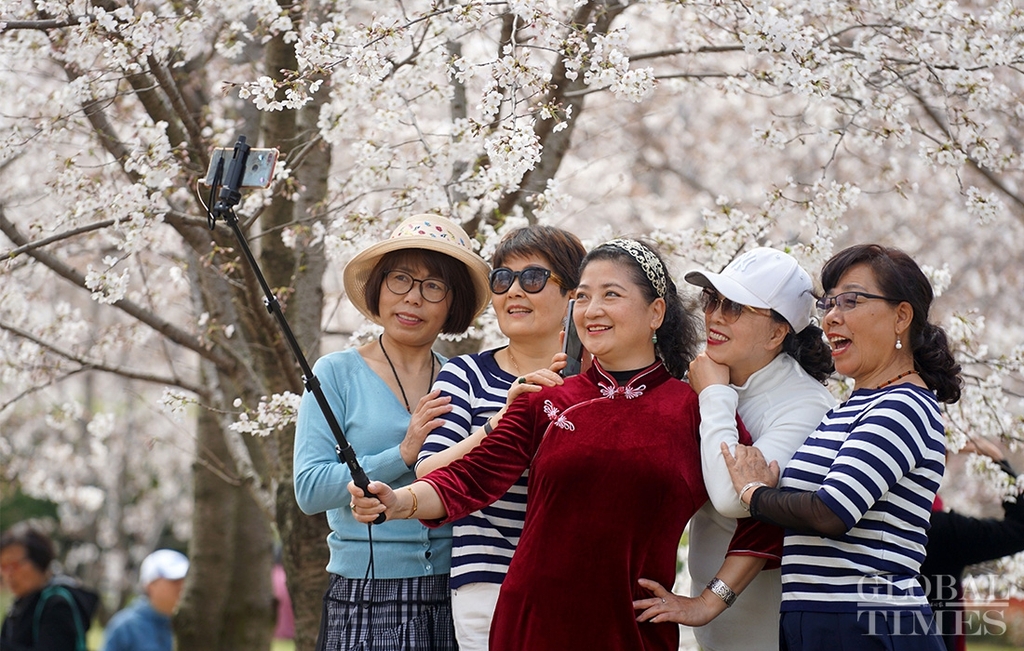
x=899 y=344
x=654 y=338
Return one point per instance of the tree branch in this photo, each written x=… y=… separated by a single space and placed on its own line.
x=52 y=23
x=13 y=253
x=989 y=175
x=157 y=109
x=166 y=328
x=94 y=365
x=170 y=88
x=710 y=49
x=555 y=144
x=39 y=387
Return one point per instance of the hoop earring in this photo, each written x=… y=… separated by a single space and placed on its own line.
x=899 y=344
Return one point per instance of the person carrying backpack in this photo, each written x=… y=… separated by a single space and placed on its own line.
x=49 y=613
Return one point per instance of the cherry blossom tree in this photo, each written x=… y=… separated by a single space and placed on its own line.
x=134 y=338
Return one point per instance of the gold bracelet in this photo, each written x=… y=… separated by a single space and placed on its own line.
x=415 y=502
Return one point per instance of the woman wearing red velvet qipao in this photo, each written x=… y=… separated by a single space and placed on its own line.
x=614 y=463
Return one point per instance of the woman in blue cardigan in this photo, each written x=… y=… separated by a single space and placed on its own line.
x=423 y=280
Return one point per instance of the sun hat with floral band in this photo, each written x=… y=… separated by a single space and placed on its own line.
x=423 y=232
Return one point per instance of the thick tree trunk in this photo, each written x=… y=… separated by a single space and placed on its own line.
x=200 y=613
x=298 y=273
x=305 y=555
x=249 y=611
x=228 y=601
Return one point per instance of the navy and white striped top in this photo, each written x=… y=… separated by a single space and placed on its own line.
x=876 y=461
x=482 y=542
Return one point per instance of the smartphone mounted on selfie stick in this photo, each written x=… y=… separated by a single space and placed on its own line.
x=254 y=168
x=571 y=346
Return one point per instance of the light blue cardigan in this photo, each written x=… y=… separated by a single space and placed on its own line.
x=374 y=422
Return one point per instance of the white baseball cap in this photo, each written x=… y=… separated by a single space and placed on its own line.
x=163 y=564
x=765 y=278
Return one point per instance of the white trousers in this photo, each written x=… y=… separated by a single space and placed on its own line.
x=472 y=609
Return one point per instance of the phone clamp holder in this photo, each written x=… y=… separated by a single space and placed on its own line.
x=227 y=198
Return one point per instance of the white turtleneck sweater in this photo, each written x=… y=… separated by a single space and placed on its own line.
x=780 y=405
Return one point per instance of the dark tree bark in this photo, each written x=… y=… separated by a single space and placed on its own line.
x=227 y=604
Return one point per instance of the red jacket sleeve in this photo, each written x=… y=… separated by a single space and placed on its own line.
x=489 y=470
x=753 y=538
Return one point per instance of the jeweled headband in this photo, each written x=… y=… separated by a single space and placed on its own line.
x=649 y=262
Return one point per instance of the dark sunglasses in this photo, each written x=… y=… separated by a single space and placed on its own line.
x=731 y=310
x=531 y=279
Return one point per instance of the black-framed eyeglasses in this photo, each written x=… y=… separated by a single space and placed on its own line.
x=847 y=301
x=731 y=310
x=531 y=279
x=401 y=283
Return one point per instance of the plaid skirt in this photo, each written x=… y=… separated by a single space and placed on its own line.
x=413 y=614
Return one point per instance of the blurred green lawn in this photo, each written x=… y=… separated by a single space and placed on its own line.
x=95 y=639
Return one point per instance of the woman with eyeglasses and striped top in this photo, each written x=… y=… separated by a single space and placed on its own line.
x=856 y=497
x=535 y=273
x=766 y=362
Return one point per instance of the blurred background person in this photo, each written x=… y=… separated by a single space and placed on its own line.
x=423 y=280
x=956 y=541
x=284 y=625
x=145 y=625
x=49 y=613
x=857 y=495
x=535 y=273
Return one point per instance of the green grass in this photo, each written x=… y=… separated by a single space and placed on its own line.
x=95 y=638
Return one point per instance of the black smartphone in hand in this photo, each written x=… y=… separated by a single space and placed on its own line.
x=571 y=346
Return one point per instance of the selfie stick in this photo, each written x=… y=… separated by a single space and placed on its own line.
x=228 y=197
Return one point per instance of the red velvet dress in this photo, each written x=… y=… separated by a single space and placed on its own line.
x=614 y=477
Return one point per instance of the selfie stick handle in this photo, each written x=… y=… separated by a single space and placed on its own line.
x=228 y=197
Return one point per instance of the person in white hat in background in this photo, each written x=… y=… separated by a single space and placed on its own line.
x=423 y=280
x=145 y=625
x=767 y=362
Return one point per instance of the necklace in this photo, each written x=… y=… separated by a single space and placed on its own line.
x=380 y=340
x=898 y=377
x=512 y=357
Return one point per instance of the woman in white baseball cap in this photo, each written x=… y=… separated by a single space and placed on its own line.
x=767 y=362
x=423 y=280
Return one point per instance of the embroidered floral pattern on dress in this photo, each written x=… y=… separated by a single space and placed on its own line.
x=628 y=391
x=559 y=419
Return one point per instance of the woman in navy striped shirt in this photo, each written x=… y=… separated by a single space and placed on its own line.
x=535 y=273
x=856 y=497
